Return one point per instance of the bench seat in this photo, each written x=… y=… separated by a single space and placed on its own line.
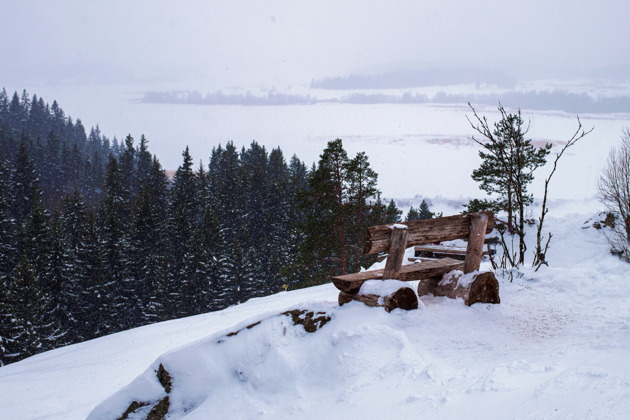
x=351 y=283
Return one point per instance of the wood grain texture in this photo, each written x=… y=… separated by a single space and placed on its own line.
x=351 y=283
x=425 y=231
x=403 y=298
x=474 y=250
x=484 y=288
x=397 y=247
x=441 y=250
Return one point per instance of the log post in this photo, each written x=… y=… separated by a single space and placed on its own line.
x=472 y=288
x=474 y=249
x=396 y=252
x=403 y=298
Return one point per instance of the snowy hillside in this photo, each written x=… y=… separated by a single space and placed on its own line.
x=557 y=346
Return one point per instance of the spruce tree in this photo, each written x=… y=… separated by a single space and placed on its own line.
x=61 y=288
x=291 y=271
x=180 y=227
x=6 y=323
x=8 y=226
x=28 y=329
x=24 y=182
x=424 y=212
x=412 y=214
x=128 y=171
x=115 y=244
x=279 y=222
x=226 y=186
x=144 y=161
x=325 y=216
x=97 y=291
x=35 y=235
x=150 y=244
x=361 y=180
x=207 y=248
x=393 y=214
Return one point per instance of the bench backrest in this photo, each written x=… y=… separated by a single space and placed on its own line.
x=421 y=232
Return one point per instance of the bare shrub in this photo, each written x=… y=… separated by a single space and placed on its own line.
x=614 y=193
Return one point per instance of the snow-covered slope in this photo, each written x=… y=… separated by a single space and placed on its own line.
x=558 y=346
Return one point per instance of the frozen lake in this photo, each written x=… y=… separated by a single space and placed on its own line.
x=417 y=149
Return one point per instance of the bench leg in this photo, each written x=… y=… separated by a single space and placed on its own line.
x=474 y=250
x=403 y=298
x=472 y=288
x=396 y=253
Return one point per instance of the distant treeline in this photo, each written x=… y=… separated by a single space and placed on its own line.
x=413 y=79
x=560 y=100
x=220 y=98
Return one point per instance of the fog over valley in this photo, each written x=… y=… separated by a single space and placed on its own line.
x=391 y=78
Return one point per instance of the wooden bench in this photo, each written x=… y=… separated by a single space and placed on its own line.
x=394 y=239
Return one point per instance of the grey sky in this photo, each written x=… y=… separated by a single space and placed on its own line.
x=274 y=42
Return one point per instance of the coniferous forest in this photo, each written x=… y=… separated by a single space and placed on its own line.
x=95 y=238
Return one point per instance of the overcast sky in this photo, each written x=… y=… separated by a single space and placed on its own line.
x=249 y=43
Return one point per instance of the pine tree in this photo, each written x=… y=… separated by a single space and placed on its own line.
x=323 y=250
x=362 y=190
x=226 y=187
x=412 y=214
x=28 y=330
x=424 y=212
x=8 y=226
x=150 y=243
x=393 y=214
x=292 y=272
x=507 y=168
x=206 y=249
x=180 y=227
x=254 y=229
x=278 y=221
x=144 y=161
x=94 y=314
x=74 y=221
x=115 y=241
x=53 y=168
x=4 y=106
x=128 y=170
x=8 y=144
x=60 y=287
x=6 y=324
x=92 y=185
x=25 y=179
x=35 y=236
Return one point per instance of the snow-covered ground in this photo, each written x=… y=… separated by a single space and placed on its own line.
x=558 y=346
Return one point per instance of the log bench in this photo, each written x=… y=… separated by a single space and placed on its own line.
x=462 y=277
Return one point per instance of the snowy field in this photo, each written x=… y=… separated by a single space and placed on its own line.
x=421 y=149
x=557 y=346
